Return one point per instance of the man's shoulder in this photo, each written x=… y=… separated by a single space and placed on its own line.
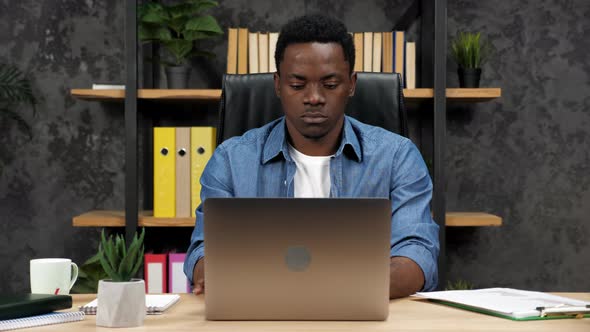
x=374 y=135
x=251 y=139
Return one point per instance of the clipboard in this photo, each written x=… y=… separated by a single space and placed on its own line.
x=513 y=304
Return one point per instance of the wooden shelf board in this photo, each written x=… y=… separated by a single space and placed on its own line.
x=111 y=218
x=472 y=219
x=471 y=95
x=169 y=94
x=455 y=94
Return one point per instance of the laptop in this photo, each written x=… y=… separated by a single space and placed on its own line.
x=297 y=258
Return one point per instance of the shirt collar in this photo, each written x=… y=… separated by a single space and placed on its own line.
x=276 y=143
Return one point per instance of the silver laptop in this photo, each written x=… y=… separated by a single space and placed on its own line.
x=297 y=258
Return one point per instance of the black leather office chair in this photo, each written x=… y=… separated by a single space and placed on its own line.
x=249 y=101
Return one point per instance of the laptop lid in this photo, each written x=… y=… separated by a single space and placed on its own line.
x=297 y=258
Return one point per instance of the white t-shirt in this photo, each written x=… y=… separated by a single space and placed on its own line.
x=312 y=177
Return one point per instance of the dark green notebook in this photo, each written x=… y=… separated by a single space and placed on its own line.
x=24 y=305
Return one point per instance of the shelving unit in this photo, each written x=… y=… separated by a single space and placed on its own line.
x=110 y=218
x=452 y=94
x=435 y=94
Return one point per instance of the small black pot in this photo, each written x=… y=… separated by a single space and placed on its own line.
x=469 y=77
x=177 y=77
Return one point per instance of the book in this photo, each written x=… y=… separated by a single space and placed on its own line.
x=164 y=172
x=155 y=304
x=411 y=65
x=96 y=86
x=253 y=66
x=232 y=50
x=399 y=53
x=183 y=172
x=272 y=47
x=23 y=305
x=40 y=320
x=155 y=273
x=388 y=52
x=263 y=52
x=358 y=51
x=367 y=51
x=377 y=44
x=511 y=303
x=242 y=50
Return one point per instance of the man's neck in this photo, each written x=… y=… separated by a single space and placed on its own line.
x=316 y=148
x=323 y=146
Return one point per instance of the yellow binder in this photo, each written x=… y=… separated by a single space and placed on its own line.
x=164 y=172
x=202 y=146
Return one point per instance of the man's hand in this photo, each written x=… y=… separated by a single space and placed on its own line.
x=199 y=277
x=405 y=277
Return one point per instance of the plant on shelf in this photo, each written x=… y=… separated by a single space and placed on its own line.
x=121 y=299
x=178 y=27
x=469 y=52
x=15 y=90
x=459 y=285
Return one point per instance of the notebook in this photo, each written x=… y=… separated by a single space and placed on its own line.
x=46 y=319
x=155 y=304
x=512 y=303
x=291 y=258
x=24 y=305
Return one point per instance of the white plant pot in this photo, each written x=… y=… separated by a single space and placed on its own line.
x=121 y=304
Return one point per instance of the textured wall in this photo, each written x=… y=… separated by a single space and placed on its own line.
x=524 y=156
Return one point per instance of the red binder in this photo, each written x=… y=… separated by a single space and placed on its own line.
x=155 y=273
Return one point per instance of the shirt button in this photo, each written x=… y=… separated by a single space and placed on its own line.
x=285 y=182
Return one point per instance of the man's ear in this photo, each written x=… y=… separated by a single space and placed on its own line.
x=352 y=84
x=277 y=81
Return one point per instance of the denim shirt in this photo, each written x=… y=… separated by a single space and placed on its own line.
x=370 y=162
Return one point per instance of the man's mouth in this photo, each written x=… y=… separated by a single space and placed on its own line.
x=313 y=117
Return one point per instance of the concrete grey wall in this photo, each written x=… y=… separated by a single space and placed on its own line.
x=524 y=156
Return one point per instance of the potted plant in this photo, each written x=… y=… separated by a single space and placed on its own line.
x=121 y=299
x=176 y=27
x=470 y=52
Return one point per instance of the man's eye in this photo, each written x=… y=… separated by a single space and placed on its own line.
x=331 y=85
x=296 y=86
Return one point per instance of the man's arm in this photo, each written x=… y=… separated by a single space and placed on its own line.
x=199 y=277
x=414 y=235
x=406 y=277
x=215 y=182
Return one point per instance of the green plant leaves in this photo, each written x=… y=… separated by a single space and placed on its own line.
x=469 y=51
x=89 y=273
x=180 y=48
x=207 y=25
x=176 y=26
x=14 y=86
x=119 y=262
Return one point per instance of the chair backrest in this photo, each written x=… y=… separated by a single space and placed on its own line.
x=249 y=101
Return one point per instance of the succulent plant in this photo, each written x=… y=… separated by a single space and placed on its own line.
x=119 y=262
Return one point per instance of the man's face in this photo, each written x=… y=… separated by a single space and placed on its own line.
x=314 y=86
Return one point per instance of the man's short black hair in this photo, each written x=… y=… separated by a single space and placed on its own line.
x=315 y=28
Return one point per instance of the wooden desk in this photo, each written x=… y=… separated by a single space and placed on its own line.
x=405 y=315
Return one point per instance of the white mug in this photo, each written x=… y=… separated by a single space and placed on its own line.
x=52 y=275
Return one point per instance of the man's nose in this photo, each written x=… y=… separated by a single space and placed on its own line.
x=314 y=95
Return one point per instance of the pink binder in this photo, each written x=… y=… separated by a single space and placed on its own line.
x=177 y=281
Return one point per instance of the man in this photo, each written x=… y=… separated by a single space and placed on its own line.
x=317 y=151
